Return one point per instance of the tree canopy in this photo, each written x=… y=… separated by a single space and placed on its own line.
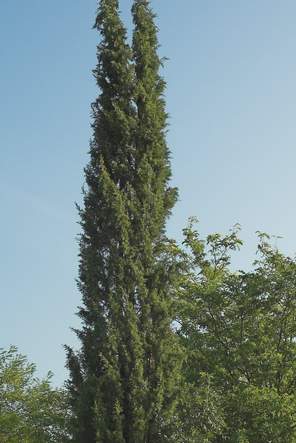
x=31 y=410
x=240 y=329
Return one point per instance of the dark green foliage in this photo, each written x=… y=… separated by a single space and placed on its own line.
x=239 y=327
x=31 y=411
x=124 y=380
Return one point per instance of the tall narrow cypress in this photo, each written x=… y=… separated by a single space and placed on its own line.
x=122 y=381
x=155 y=201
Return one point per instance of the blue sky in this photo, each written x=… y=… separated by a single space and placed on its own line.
x=231 y=97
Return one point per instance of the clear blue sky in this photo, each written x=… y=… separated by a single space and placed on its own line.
x=232 y=102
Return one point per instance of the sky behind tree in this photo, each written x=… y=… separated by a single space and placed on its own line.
x=231 y=97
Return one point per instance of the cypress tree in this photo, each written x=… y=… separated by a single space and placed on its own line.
x=155 y=201
x=123 y=380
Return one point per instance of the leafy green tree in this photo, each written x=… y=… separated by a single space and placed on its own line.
x=200 y=415
x=239 y=327
x=31 y=411
x=124 y=380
